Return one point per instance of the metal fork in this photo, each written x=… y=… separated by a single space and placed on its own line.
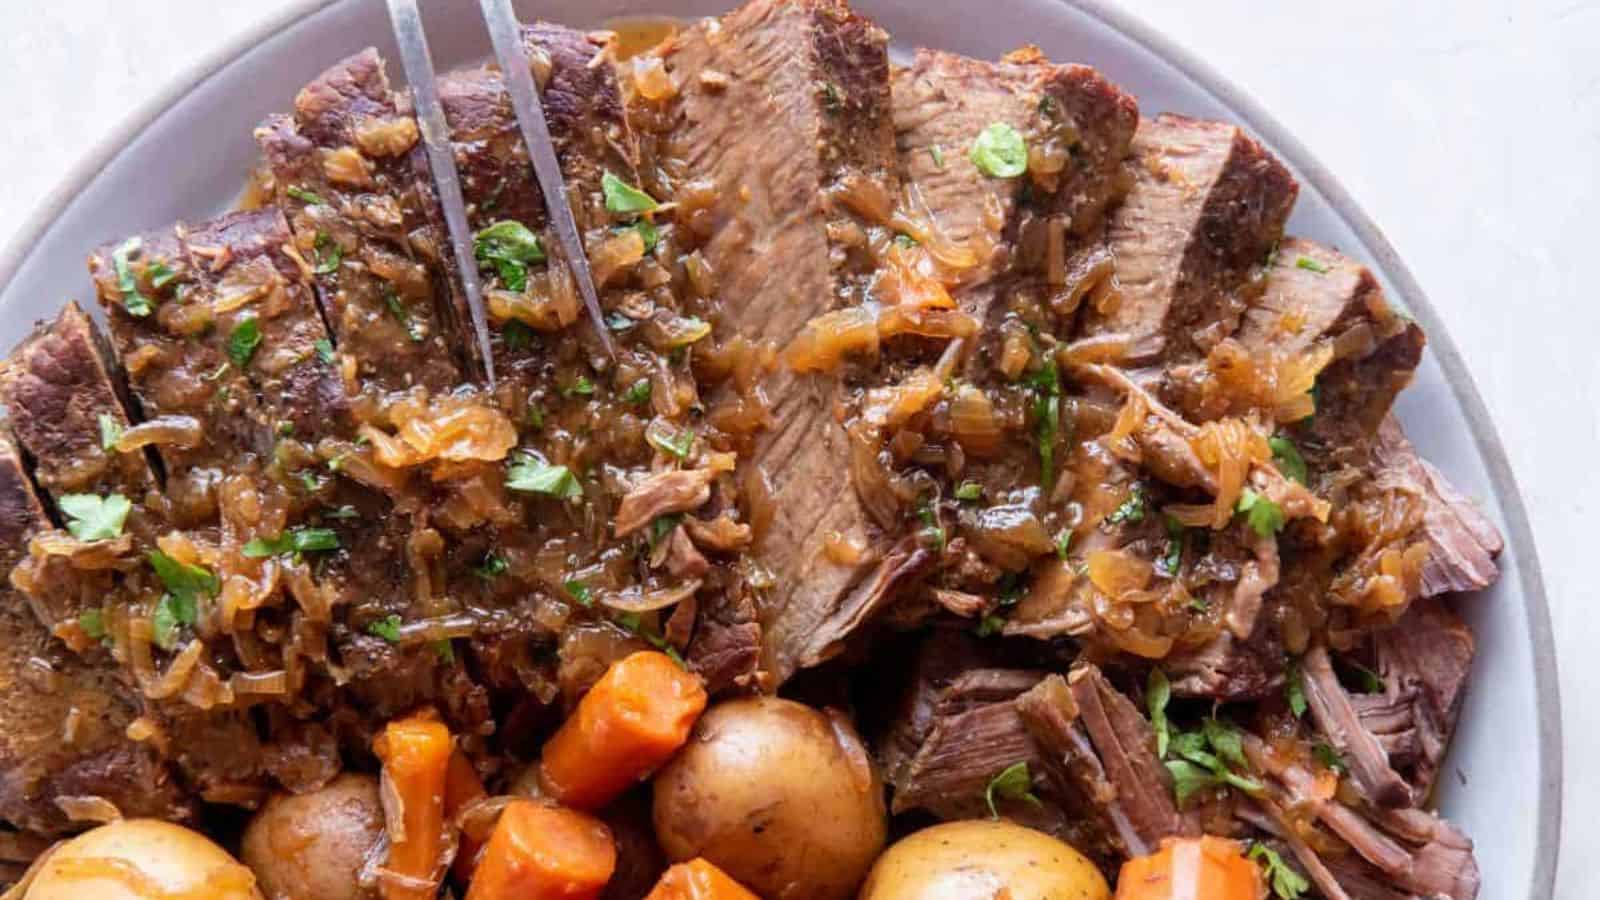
x=505 y=35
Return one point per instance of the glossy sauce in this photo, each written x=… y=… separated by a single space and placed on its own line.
x=636 y=34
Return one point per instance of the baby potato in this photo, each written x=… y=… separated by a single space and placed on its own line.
x=305 y=846
x=135 y=859
x=980 y=858
x=782 y=797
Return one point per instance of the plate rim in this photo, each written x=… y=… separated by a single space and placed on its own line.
x=1486 y=438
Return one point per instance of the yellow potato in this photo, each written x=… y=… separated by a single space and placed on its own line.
x=136 y=859
x=782 y=797
x=312 y=846
x=983 y=859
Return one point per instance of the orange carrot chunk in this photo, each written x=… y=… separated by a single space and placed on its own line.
x=416 y=756
x=462 y=787
x=635 y=717
x=1204 y=868
x=698 y=880
x=542 y=852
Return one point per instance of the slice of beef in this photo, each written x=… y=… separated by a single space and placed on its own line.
x=1424 y=661
x=63 y=717
x=353 y=178
x=1462 y=541
x=943 y=101
x=1228 y=669
x=1192 y=235
x=1313 y=295
x=779 y=102
x=173 y=316
x=1336 y=718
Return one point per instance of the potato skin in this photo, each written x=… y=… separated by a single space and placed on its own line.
x=122 y=860
x=782 y=797
x=305 y=846
x=979 y=858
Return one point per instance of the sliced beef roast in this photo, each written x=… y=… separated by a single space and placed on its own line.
x=779 y=102
x=1462 y=542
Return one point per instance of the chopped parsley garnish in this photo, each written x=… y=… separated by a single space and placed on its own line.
x=492 y=567
x=1047 y=419
x=387 y=628
x=93 y=623
x=1288 y=458
x=1157 y=694
x=969 y=490
x=510 y=247
x=1329 y=757
x=398 y=310
x=94 y=518
x=1370 y=682
x=661 y=527
x=305 y=196
x=444 y=650
x=1209 y=758
x=295 y=540
x=133 y=300
x=1172 y=558
x=1264 y=516
x=310 y=480
x=1294 y=690
x=185 y=583
x=932 y=533
x=622 y=198
x=328 y=254
x=990 y=625
x=1311 y=265
x=341 y=512
x=1063 y=543
x=160 y=274
x=638 y=393
x=1286 y=883
x=324 y=350
x=244 y=340
x=578 y=591
x=678 y=443
x=535 y=415
x=635 y=624
x=581 y=387
x=518 y=335
x=937 y=152
x=1130 y=510
x=905 y=241
x=110 y=432
x=1013 y=783
x=647 y=233
x=1000 y=151
x=532 y=475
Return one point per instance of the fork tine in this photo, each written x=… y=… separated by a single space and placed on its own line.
x=418 y=63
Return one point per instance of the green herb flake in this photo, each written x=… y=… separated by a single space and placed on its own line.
x=638 y=393
x=93 y=623
x=94 y=518
x=1013 y=783
x=1047 y=419
x=535 y=417
x=905 y=241
x=969 y=491
x=1288 y=458
x=295 y=540
x=184 y=579
x=1189 y=779
x=647 y=233
x=342 y=512
x=661 y=527
x=632 y=622
x=990 y=625
x=622 y=198
x=492 y=567
x=518 y=336
x=1131 y=510
x=133 y=300
x=1311 y=265
x=1294 y=690
x=305 y=196
x=328 y=254
x=444 y=651
x=172 y=613
x=160 y=274
x=1287 y=884
x=932 y=534
x=937 y=152
x=679 y=443
x=1157 y=694
x=1172 y=557
x=387 y=628
x=1000 y=151
x=1329 y=757
x=1063 y=543
x=325 y=350
x=1370 y=682
x=110 y=432
x=580 y=387
x=244 y=340
x=578 y=591
x=401 y=315
x=532 y=475
x=510 y=247
x=1264 y=516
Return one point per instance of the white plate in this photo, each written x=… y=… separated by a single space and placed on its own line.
x=186 y=154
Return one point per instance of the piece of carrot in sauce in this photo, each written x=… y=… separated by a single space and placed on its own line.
x=1204 y=868
x=415 y=752
x=540 y=852
x=635 y=717
x=698 y=880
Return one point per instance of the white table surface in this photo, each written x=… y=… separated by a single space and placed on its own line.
x=1469 y=130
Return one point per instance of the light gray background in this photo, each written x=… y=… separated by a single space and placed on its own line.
x=1469 y=130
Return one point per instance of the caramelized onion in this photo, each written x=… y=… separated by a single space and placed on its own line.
x=1009 y=536
x=88 y=808
x=826 y=339
x=974 y=424
x=177 y=431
